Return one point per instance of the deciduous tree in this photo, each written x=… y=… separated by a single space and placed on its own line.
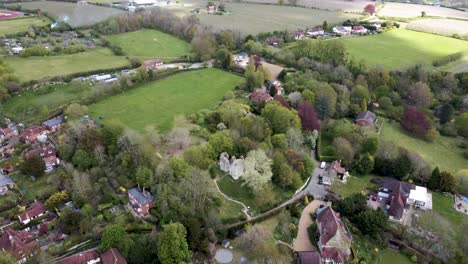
x=172 y=244
x=257 y=169
x=33 y=166
x=309 y=119
x=279 y=118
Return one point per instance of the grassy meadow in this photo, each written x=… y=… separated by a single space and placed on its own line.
x=12 y=26
x=444 y=152
x=39 y=68
x=159 y=102
x=148 y=43
x=402 y=48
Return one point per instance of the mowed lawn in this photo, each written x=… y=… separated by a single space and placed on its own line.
x=157 y=103
x=388 y=256
x=148 y=43
x=12 y=26
x=402 y=48
x=444 y=152
x=39 y=68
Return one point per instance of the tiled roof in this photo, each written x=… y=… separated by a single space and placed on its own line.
x=43 y=152
x=35 y=210
x=398 y=194
x=328 y=224
x=337 y=167
x=367 y=115
x=112 y=256
x=309 y=257
x=80 y=258
x=18 y=244
x=260 y=96
x=332 y=253
x=140 y=196
x=35 y=130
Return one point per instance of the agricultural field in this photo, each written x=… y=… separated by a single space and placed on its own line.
x=148 y=43
x=12 y=26
x=39 y=68
x=257 y=18
x=159 y=102
x=74 y=14
x=414 y=10
x=444 y=27
x=444 y=152
x=402 y=48
x=334 y=5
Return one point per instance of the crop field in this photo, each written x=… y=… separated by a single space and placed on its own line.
x=444 y=152
x=257 y=18
x=12 y=26
x=414 y=10
x=39 y=68
x=445 y=27
x=74 y=14
x=159 y=102
x=148 y=43
x=334 y=5
x=402 y=48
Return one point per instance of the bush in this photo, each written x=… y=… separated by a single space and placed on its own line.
x=72 y=49
x=447 y=59
x=34 y=51
x=312 y=232
x=414 y=259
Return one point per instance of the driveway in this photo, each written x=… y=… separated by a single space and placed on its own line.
x=317 y=190
x=302 y=241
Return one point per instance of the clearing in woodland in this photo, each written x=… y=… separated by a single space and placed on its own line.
x=158 y=103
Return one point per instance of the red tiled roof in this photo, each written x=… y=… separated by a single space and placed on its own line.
x=112 y=256
x=35 y=210
x=80 y=258
x=332 y=253
x=337 y=167
x=43 y=152
x=260 y=96
x=35 y=130
x=328 y=226
x=18 y=244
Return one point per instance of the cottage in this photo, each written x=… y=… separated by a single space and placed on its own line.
x=307 y=257
x=33 y=134
x=152 y=64
x=298 y=35
x=53 y=125
x=366 y=118
x=273 y=41
x=47 y=154
x=360 y=30
x=316 y=32
x=342 y=31
x=335 y=242
x=393 y=195
x=37 y=209
x=6 y=184
x=140 y=201
x=335 y=170
x=233 y=166
x=260 y=97
x=21 y=245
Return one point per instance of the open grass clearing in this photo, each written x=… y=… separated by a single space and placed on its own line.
x=148 y=43
x=444 y=27
x=444 y=152
x=40 y=68
x=355 y=6
x=74 y=14
x=353 y=185
x=257 y=18
x=414 y=10
x=40 y=188
x=159 y=102
x=402 y=48
x=389 y=256
x=13 y=26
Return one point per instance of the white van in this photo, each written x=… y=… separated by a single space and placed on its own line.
x=322 y=165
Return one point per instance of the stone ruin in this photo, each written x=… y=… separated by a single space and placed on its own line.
x=233 y=166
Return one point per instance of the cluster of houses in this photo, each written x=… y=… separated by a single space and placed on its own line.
x=133 y=5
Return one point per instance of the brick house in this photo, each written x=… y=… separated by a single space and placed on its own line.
x=8 y=133
x=140 y=201
x=37 y=209
x=32 y=134
x=111 y=256
x=152 y=64
x=336 y=170
x=366 y=118
x=6 y=184
x=54 y=124
x=47 y=154
x=335 y=242
x=21 y=245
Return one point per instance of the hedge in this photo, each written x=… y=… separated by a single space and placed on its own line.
x=447 y=59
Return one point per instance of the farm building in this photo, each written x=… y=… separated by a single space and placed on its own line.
x=316 y=32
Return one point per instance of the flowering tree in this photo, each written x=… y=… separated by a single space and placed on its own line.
x=370 y=9
x=415 y=121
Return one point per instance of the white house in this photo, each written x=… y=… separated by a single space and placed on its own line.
x=316 y=32
x=342 y=31
x=420 y=198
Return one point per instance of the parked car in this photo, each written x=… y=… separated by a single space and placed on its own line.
x=320 y=182
x=322 y=165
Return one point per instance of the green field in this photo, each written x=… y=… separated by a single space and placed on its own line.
x=12 y=26
x=388 y=256
x=402 y=48
x=148 y=43
x=444 y=152
x=159 y=102
x=39 y=68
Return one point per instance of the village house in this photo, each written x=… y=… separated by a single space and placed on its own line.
x=37 y=209
x=6 y=184
x=47 y=154
x=33 y=134
x=152 y=64
x=260 y=96
x=233 y=166
x=276 y=84
x=336 y=170
x=377 y=25
x=21 y=245
x=366 y=118
x=54 y=124
x=342 y=31
x=211 y=9
x=334 y=242
x=8 y=133
x=298 y=35
x=111 y=256
x=360 y=30
x=140 y=201
x=316 y=32
x=273 y=41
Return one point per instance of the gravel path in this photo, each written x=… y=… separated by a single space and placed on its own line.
x=302 y=241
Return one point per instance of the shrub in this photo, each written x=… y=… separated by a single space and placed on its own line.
x=447 y=59
x=414 y=259
x=312 y=232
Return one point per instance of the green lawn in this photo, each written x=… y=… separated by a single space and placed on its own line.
x=40 y=188
x=235 y=190
x=443 y=205
x=388 y=256
x=28 y=108
x=148 y=43
x=353 y=185
x=12 y=26
x=444 y=152
x=39 y=68
x=159 y=102
x=402 y=48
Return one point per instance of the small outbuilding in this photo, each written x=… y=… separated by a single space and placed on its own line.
x=366 y=118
